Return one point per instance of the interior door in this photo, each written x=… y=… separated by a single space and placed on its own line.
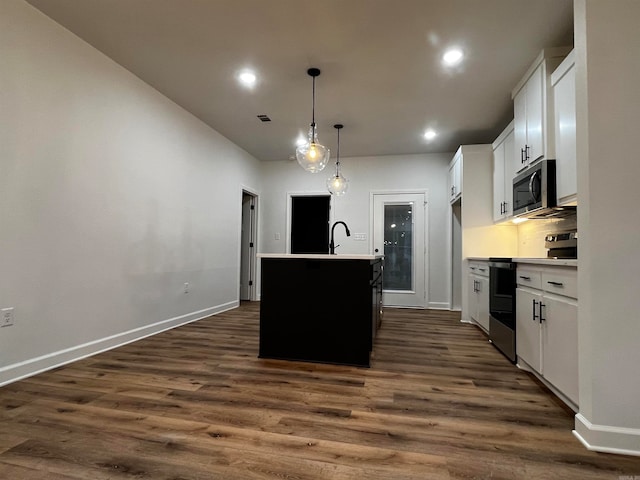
x=399 y=222
x=310 y=223
x=247 y=245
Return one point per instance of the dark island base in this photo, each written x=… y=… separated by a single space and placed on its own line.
x=317 y=310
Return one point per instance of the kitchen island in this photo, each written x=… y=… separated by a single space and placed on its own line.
x=320 y=308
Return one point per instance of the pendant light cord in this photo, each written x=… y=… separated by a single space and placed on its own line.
x=338 y=156
x=313 y=107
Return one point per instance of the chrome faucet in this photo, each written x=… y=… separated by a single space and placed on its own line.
x=332 y=246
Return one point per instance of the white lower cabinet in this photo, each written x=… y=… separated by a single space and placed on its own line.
x=528 y=328
x=560 y=344
x=547 y=326
x=479 y=293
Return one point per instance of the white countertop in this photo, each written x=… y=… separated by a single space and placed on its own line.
x=560 y=262
x=320 y=256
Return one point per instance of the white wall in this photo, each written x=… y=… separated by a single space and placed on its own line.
x=366 y=175
x=608 y=115
x=111 y=198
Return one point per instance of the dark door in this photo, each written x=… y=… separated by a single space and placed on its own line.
x=310 y=224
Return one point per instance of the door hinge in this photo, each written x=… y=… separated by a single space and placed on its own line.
x=250 y=282
x=253 y=207
x=250 y=244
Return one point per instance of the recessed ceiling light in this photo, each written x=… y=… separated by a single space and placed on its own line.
x=247 y=78
x=452 y=57
x=430 y=134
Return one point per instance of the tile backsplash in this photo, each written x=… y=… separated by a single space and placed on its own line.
x=531 y=234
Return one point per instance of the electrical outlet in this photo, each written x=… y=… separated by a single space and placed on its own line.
x=7 y=317
x=360 y=237
x=186 y=287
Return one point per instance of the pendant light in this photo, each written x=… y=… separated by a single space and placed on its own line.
x=337 y=184
x=312 y=156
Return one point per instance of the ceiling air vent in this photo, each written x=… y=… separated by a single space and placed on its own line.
x=264 y=118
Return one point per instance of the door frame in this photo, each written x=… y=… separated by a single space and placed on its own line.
x=253 y=259
x=287 y=225
x=424 y=192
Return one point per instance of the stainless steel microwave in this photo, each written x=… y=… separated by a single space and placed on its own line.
x=534 y=192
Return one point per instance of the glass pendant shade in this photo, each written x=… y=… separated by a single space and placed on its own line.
x=312 y=156
x=337 y=185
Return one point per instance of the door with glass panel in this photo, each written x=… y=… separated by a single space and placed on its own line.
x=399 y=233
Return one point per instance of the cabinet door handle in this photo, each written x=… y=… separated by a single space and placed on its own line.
x=482 y=269
x=557 y=284
x=472 y=268
x=522 y=155
x=526 y=152
x=525 y=278
x=542 y=319
x=534 y=311
x=505 y=207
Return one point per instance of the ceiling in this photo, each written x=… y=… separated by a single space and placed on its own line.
x=382 y=75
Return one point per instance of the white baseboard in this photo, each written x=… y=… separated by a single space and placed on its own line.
x=607 y=439
x=439 y=305
x=28 y=368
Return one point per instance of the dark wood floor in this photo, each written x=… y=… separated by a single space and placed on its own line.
x=195 y=402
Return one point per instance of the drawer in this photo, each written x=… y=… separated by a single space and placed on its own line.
x=561 y=281
x=528 y=277
x=479 y=268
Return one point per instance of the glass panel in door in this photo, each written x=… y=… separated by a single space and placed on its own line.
x=398 y=247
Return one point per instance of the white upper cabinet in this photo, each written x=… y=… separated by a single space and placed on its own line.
x=503 y=175
x=563 y=80
x=533 y=111
x=455 y=177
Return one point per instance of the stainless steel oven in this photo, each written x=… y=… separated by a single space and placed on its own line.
x=502 y=306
